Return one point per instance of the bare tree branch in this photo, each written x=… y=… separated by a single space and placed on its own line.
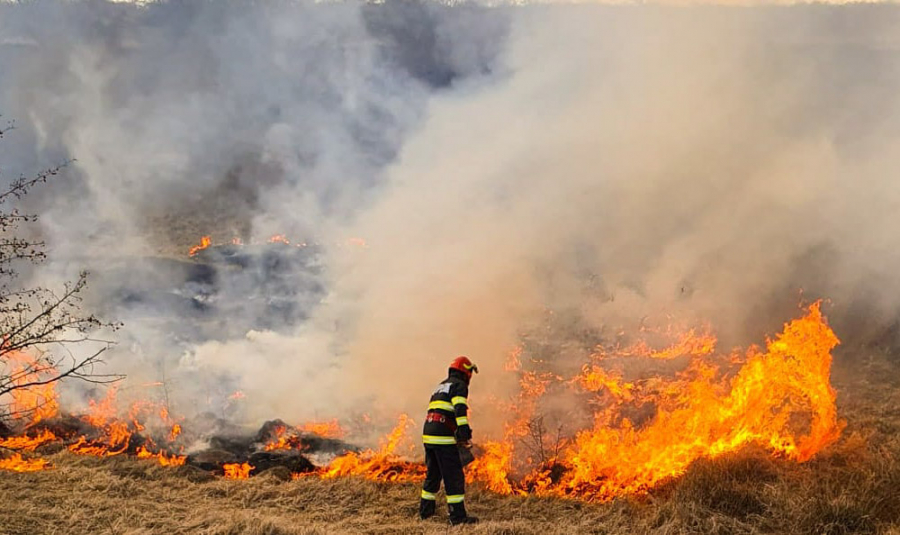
x=543 y=448
x=38 y=326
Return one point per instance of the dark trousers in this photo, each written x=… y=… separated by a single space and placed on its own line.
x=443 y=463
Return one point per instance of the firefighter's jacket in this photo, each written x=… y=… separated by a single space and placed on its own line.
x=446 y=421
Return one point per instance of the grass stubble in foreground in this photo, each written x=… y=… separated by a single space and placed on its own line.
x=851 y=487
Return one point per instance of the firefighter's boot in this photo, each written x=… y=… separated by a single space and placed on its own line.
x=458 y=515
x=426 y=509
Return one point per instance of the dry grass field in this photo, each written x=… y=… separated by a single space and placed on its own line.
x=852 y=487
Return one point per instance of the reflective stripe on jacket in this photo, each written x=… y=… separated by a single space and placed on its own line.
x=449 y=400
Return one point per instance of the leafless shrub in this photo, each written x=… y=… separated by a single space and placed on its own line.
x=43 y=323
x=543 y=446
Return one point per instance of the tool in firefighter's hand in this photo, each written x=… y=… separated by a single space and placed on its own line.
x=465 y=452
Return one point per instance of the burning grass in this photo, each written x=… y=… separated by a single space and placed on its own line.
x=779 y=399
x=16 y=463
x=849 y=488
x=718 y=455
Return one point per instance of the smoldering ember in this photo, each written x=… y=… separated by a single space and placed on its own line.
x=295 y=267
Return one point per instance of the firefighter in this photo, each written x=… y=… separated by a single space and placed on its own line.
x=446 y=430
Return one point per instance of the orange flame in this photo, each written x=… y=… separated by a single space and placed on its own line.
x=689 y=343
x=104 y=410
x=17 y=464
x=115 y=435
x=779 y=398
x=279 y=238
x=699 y=413
x=594 y=379
x=492 y=467
x=381 y=465
x=237 y=471
x=110 y=435
x=39 y=402
x=161 y=457
x=205 y=242
x=513 y=360
x=291 y=439
x=113 y=442
x=285 y=440
x=327 y=429
x=27 y=443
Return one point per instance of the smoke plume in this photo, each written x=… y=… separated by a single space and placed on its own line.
x=601 y=164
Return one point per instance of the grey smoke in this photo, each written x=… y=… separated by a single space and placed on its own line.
x=605 y=163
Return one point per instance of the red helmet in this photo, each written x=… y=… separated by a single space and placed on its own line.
x=464 y=365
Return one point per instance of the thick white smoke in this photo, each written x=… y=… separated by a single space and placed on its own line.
x=635 y=162
x=501 y=163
